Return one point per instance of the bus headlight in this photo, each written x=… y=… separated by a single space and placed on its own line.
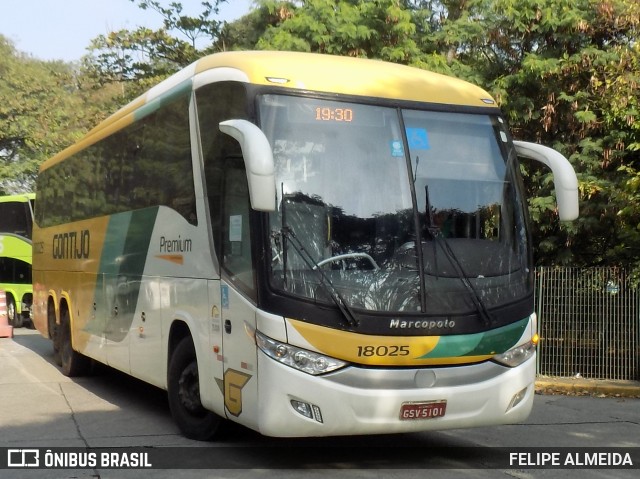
x=297 y=358
x=516 y=356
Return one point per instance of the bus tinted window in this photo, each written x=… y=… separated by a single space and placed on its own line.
x=226 y=181
x=15 y=218
x=15 y=271
x=146 y=164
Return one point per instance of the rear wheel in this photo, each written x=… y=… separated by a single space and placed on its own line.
x=194 y=421
x=53 y=333
x=72 y=362
x=15 y=319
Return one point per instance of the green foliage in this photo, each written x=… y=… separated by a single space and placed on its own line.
x=565 y=72
x=360 y=28
x=38 y=115
x=245 y=33
x=140 y=58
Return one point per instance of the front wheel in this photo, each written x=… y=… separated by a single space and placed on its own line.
x=194 y=421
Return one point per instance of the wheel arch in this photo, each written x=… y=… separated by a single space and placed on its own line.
x=52 y=314
x=194 y=420
x=178 y=331
x=9 y=294
x=60 y=306
x=66 y=308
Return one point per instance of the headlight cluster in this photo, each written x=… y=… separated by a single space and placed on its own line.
x=518 y=355
x=297 y=358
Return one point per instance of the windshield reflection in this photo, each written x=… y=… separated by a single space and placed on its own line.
x=347 y=175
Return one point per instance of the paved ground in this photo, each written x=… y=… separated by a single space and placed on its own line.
x=42 y=408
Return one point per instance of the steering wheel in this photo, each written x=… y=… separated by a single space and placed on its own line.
x=341 y=257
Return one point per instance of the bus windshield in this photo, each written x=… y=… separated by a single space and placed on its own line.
x=360 y=186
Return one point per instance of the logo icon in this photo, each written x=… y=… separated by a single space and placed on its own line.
x=23 y=458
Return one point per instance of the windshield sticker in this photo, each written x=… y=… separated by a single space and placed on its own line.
x=224 y=293
x=396 y=148
x=235 y=228
x=418 y=139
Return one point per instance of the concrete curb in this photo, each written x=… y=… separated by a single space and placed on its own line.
x=588 y=387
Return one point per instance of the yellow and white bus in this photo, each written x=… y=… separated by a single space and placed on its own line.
x=306 y=245
x=16 y=224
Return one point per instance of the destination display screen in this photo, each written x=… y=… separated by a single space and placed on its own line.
x=319 y=111
x=326 y=113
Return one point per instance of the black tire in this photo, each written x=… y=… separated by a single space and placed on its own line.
x=73 y=363
x=15 y=319
x=193 y=420
x=54 y=333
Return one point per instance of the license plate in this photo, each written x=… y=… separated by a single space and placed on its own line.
x=411 y=411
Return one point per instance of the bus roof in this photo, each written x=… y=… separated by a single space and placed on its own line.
x=22 y=197
x=347 y=75
x=302 y=71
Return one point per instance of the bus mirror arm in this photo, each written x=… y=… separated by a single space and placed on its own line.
x=564 y=176
x=258 y=159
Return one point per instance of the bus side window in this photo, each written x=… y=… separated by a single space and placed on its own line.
x=15 y=218
x=226 y=181
x=236 y=238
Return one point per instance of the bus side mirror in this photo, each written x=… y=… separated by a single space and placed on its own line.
x=258 y=160
x=564 y=177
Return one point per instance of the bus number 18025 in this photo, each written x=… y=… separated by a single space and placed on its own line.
x=393 y=350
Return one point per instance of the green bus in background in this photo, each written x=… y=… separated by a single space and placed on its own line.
x=16 y=225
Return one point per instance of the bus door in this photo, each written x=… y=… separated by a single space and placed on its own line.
x=240 y=360
x=237 y=296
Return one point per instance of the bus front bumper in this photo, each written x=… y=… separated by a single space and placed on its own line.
x=357 y=400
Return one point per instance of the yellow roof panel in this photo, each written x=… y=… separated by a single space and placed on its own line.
x=353 y=76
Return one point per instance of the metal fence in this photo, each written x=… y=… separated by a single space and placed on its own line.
x=589 y=323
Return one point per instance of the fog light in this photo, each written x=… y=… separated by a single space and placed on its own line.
x=307 y=410
x=517 y=399
x=302 y=408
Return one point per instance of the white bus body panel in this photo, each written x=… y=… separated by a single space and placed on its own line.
x=348 y=410
x=240 y=360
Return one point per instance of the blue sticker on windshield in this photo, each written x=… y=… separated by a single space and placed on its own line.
x=418 y=138
x=396 y=148
x=224 y=293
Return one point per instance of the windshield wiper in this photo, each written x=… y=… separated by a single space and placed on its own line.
x=436 y=233
x=289 y=237
x=329 y=287
x=477 y=300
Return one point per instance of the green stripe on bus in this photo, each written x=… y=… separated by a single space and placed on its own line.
x=179 y=90
x=496 y=341
x=122 y=267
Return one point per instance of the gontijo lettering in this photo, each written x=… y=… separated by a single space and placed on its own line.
x=72 y=245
